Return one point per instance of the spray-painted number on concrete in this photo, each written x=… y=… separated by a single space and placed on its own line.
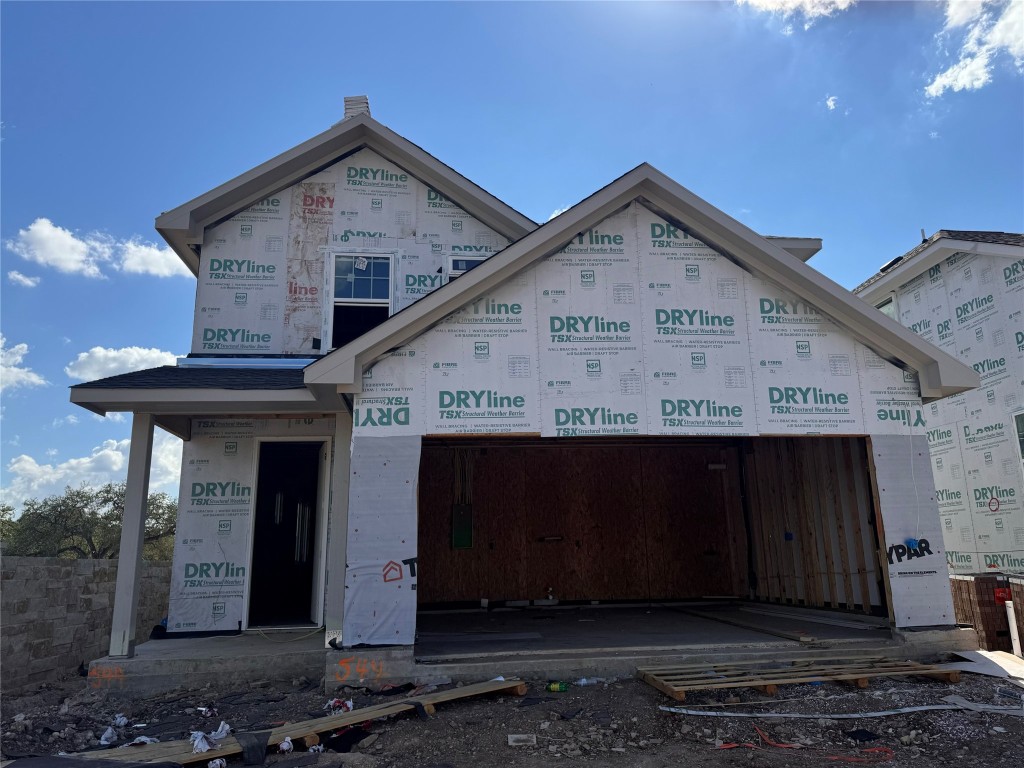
x=359 y=669
x=106 y=677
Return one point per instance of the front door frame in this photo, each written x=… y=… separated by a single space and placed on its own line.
x=320 y=540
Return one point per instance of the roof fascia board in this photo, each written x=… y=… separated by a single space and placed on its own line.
x=937 y=252
x=194 y=400
x=940 y=375
x=802 y=248
x=233 y=196
x=345 y=365
x=471 y=197
x=184 y=226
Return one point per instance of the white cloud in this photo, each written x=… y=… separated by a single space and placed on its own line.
x=787 y=30
x=106 y=463
x=51 y=452
x=990 y=28
x=960 y=12
x=70 y=420
x=50 y=245
x=144 y=258
x=165 y=468
x=933 y=134
x=26 y=281
x=809 y=9
x=558 y=212
x=12 y=375
x=114 y=416
x=100 y=362
x=831 y=102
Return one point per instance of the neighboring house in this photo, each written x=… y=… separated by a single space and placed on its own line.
x=641 y=399
x=964 y=292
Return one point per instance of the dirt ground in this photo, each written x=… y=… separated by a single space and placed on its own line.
x=616 y=724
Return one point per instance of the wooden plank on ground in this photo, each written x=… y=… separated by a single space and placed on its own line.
x=180 y=751
x=677 y=682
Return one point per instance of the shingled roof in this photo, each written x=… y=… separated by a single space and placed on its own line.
x=173 y=377
x=967 y=235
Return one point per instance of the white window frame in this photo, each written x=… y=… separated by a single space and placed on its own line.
x=327 y=332
x=891 y=299
x=1017 y=435
x=450 y=273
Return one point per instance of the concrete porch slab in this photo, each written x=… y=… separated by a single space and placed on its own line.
x=549 y=643
x=166 y=664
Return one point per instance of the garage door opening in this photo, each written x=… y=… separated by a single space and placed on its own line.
x=520 y=523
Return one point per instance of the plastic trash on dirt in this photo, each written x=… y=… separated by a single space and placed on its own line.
x=218 y=762
x=334 y=706
x=120 y=720
x=317 y=748
x=222 y=732
x=200 y=742
x=522 y=740
x=109 y=737
x=207 y=711
x=139 y=741
x=285 y=746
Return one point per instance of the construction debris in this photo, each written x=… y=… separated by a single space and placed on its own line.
x=282 y=735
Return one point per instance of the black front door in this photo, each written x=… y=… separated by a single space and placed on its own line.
x=284 y=536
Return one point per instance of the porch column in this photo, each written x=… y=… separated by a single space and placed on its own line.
x=337 y=532
x=133 y=528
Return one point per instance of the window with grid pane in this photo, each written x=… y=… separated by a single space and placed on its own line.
x=362 y=279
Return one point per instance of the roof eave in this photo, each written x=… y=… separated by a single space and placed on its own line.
x=344 y=366
x=940 y=374
x=935 y=253
x=193 y=400
x=184 y=226
x=802 y=248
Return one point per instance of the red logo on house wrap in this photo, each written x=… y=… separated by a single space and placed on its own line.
x=993 y=504
x=392 y=571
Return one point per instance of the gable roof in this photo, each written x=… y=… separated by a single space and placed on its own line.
x=183 y=226
x=930 y=252
x=940 y=374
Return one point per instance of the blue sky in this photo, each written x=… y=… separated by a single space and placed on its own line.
x=860 y=123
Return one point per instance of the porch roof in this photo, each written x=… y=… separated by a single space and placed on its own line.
x=175 y=394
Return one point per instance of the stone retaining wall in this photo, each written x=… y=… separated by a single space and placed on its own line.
x=56 y=613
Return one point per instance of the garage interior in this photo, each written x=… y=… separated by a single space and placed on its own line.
x=530 y=544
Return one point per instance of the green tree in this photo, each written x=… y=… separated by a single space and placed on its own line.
x=85 y=523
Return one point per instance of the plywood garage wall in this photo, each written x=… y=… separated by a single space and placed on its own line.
x=811 y=519
x=596 y=522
